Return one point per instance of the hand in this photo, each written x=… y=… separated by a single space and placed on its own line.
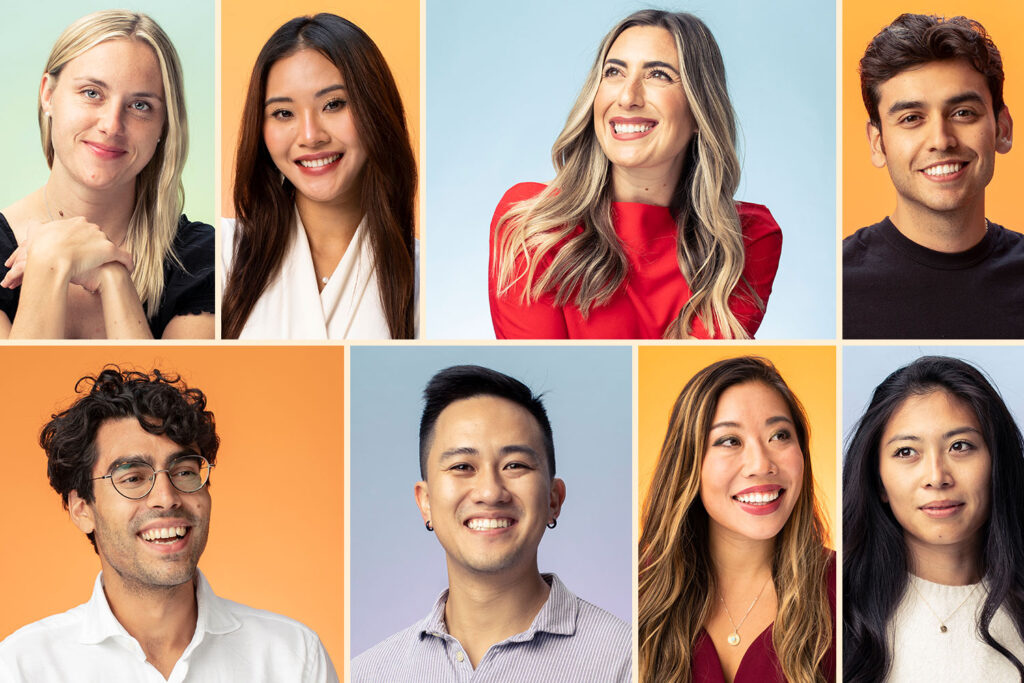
x=73 y=245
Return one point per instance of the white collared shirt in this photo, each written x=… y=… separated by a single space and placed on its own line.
x=232 y=642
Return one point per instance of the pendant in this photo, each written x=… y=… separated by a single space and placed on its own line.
x=942 y=628
x=734 y=638
x=324 y=279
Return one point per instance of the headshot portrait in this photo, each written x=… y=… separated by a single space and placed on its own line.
x=320 y=170
x=628 y=201
x=501 y=476
x=942 y=256
x=932 y=539
x=249 y=587
x=96 y=237
x=737 y=578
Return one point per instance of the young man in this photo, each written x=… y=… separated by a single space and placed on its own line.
x=488 y=492
x=936 y=268
x=131 y=460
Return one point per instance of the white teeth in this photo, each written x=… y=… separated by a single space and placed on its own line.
x=758 y=498
x=943 y=169
x=480 y=524
x=317 y=163
x=172 y=532
x=621 y=128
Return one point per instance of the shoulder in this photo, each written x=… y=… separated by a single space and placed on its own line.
x=515 y=194
x=758 y=222
x=863 y=240
x=52 y=633
x=388 y=658
x=595 y=623
x=194 y=243
x=275 y=627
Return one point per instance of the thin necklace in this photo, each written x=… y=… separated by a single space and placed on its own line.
x=942 y=622
x=46 y=202
x=734 y=637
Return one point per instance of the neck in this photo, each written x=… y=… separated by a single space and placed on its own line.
x=329 y=222
x=110 y=209
x=484 y=609
x=945 y=231
x=646 y=186
x=739 y=560
x=161 y=619
x=953 y=565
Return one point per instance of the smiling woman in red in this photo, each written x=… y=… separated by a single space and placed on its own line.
x=638 y=235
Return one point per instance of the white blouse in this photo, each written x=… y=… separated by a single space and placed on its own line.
x=291 y=307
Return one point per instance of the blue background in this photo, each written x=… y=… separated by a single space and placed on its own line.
x=397 y=568
x=502 y=77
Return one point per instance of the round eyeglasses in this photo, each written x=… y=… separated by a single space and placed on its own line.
x=187 y=473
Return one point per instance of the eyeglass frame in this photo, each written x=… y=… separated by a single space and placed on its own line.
x=166 y=470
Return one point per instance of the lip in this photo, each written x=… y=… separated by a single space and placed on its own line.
x=947 y=178
x=319 y=170
x=762 y=508
x=105 y=152
x=168 y=548
x=512 y=521
x=631 y=120
x=941 y=509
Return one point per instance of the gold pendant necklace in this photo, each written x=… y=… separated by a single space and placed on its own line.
x=942 y=622
x=734 y=637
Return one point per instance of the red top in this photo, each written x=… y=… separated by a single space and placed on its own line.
x=760 y=664
x=654 y=290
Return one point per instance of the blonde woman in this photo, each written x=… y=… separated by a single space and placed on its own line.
x=102 y=249
x=638 y=235
x=735 y=582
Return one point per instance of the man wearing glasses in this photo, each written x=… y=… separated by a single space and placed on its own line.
x=152 y=615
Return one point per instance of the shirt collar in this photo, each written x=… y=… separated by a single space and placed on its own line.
x=100 y=623
x=558 y=615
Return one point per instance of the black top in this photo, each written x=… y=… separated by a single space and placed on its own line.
x=893 y=288
x=186 y=292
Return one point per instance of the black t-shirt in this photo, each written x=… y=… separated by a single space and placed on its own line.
x=893 y=288
x=186 y=292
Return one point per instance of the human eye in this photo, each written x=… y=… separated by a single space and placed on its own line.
x=141 y=106
x=130 y=476
x=335 y=104
x=961 y=446
x=726 y=442
x=781 y=435
x=517 y=465
x=909 y=120
x=460 y=467
x=281 y=114
x=660 y=75
x=90 y=93
x=904 y=452
x=611 y=71
x=965 y=114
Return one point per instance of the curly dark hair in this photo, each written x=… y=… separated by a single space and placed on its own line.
x=915 y=39
x=163 y=405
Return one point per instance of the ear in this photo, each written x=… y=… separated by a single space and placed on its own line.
x=1004 y=131
x=81 y=513
x=876 y=145
x=422 y=499
x=46 y=90
x=557 y=498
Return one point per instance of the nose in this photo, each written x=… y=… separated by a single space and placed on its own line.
x=941 y=134
x=163 y=495
x=312 y=133
x=112 y=118
x=757 y=460
x=937 y=475
x=632 y=92
x=490 y=487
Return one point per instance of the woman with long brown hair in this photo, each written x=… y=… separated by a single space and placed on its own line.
x=735 y=581
x=325 y=179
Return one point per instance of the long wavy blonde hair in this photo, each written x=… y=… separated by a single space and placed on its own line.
x=677 y=578
x=588 y=268
x=159 y=195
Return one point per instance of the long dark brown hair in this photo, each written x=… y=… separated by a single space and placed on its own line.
x=264 y=205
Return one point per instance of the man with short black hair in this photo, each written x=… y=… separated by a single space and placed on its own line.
x=937 y=267
x=488 y=492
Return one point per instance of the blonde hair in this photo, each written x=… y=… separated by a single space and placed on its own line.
x=588 y=268
x=159 y=195
x=677 y=579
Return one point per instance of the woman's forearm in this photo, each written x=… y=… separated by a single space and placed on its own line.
x=123 y=316
x=43 y=304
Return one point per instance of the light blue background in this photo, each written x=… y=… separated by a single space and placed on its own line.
x=864 y=368
x=397 y=567
x=502 y=76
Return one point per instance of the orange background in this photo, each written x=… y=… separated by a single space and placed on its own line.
x=810 y=371
x=868 y=195
x=277 y=528
x=247 y=24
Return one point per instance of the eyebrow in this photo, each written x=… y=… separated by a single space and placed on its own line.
x=145 y=458
x=774 y=420
x=318 y=94
x=511 y=449
x=85 y=80
x=645 y=65
x=904 y=105
x=948 y=435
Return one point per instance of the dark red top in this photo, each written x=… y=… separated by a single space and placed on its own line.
x=654 y=290
x=760 y=664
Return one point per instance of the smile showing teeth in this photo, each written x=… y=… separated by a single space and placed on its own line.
x=943 y=169
x=622 y=128
x=481 y=524
x=164 y=535
x=758 y=498
x=317 y=163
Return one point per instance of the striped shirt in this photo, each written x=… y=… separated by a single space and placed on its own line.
x=569 y=641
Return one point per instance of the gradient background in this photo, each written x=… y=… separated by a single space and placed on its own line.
x=247 y=24
x=277 y=530
x=868 y=195
x=397 y=568
x=29 y=31
x=810 y=371
x=864 y=368
x=503 y=76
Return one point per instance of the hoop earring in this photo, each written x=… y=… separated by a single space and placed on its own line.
x=429 y=528
x=552 y=524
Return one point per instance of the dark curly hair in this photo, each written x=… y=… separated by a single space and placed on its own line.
x=163 y=405
x=915 y=39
